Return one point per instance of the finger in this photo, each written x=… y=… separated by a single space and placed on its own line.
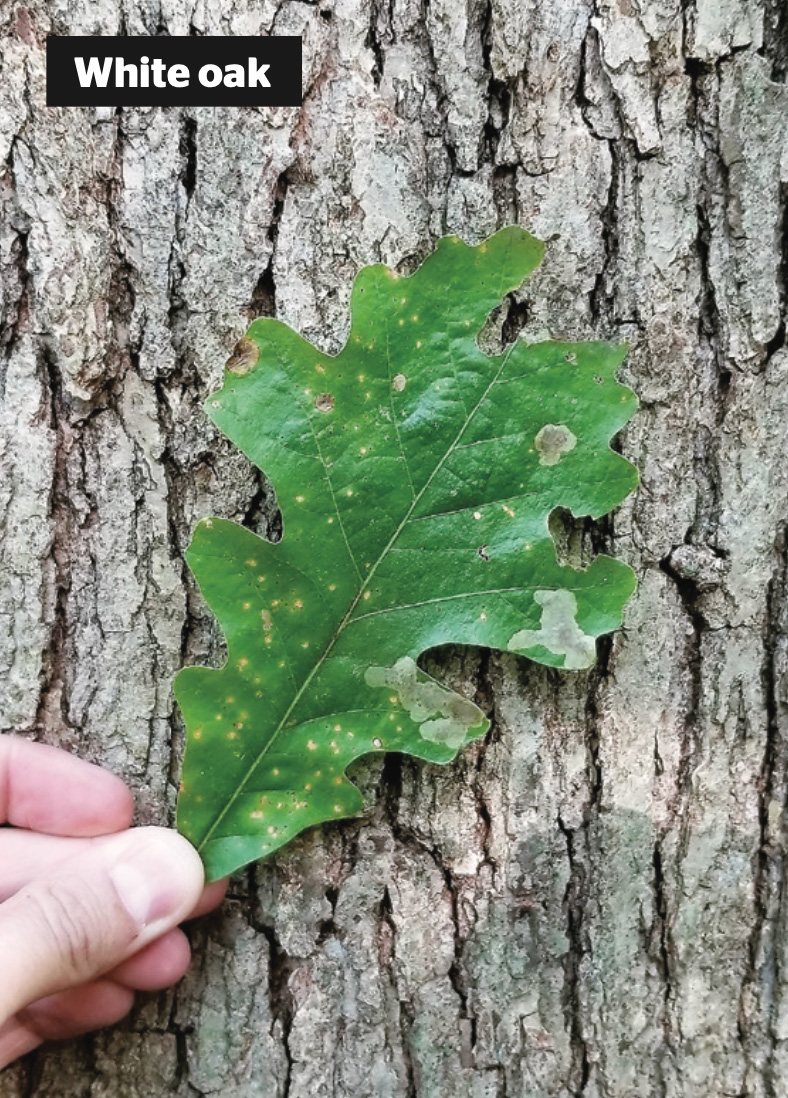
x=26 y=855
x=67 y=1014
x=46 y=789
x=212 y=896
x=78 y=1010
x=159 y=965
x=106 y=903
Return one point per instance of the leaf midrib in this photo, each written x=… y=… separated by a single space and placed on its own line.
x=345 y=620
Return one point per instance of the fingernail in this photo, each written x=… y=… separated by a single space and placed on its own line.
x=158 y=878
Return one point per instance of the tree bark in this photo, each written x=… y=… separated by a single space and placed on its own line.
x=593 y=901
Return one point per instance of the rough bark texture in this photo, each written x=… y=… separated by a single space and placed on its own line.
x=594 y=900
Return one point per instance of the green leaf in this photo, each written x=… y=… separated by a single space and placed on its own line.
x=415 y=475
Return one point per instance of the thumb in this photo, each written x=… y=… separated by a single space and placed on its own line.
x=99 y=908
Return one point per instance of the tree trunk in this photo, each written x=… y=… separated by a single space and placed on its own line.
x=593 y=900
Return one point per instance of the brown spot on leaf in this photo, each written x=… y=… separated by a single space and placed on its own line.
x=553 y=441
x=398 y=383
x=244 y=357
x=324 y=402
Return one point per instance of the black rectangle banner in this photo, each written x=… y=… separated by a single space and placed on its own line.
x=185 y=71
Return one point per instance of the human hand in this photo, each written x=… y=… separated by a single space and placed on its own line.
x=89 y=908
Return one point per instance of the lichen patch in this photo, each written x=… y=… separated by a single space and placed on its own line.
x=558 y=632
